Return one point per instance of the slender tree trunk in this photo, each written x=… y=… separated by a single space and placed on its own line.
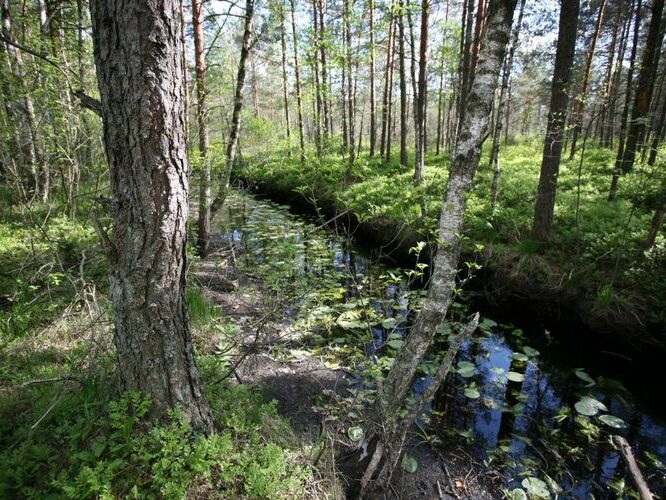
x=318 y=112
x=478 y=30
x=608 y=80
x=420 y=125
x=297 y=70
x=559 y=101
x=373 y=118
x=387 y=87
x=285 y=93
x=140 y=74
x=659 y=130
x=390 y=428
x=465 y=73
x=350 y=99
x=234 y=132
x=255 y=88
x=203 y=227
x=403 y=83
x=617 y=171
x=440 y=99
x=579 y=103
x=328 y=114
x=502 y=108
x=644 y=88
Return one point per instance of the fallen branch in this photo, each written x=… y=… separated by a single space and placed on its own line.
x=628 y=456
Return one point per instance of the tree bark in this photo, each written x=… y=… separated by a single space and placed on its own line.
x=388 y=69
x=373 y=118
x=579 y=103
x=644 y=88
x=140 y=75
x=203 y=227
x=234 y=132
x=297 y=69
x=617 y=171
x=349 y=97
x=502 y=108
x=403 y=83
x=420 y=115
x=657 y=220
x=285 y=93
x=390 y=429
x=559 y=101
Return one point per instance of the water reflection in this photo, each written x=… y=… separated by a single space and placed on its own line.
x=516 y=421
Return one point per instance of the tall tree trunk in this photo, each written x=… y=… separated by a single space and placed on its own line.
x=478 y=30
x=579 y=103
x=285 y=93
x=388 y=69
x=203 y=227
x=373 y=118
x=440 y=101
x=559 y=102
x=297 y=69
x=234 y=132
x=140 y=75
x=420 y=125
x=328 y=114
x=617 y=171
x=466 y=46
x=644 y=88
x=350 y=99
x=403 y=83
x=318 y=102
x=502 y=108
x=659 y=127
x=32 y=155
x=390 y=429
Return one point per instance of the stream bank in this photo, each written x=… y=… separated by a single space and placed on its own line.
x=515 y=399
x=521 y=282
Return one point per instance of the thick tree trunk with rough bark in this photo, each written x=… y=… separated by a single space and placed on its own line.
x=140 y=75
x=234 y=133
x=389 y=429
x=203 y=228
x=559 y=103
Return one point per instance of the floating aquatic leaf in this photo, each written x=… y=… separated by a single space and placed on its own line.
x=582 y=374
x=535 y=487
x=466 y=369
x=519 y=356
x=472 y=393
x=518 y=494
x=409 y=463
x=530 y=351
x=589 y=406
x=355 y=433
x=613 y=421
x=515 y=376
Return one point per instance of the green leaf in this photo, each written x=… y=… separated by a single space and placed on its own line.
x=589 y=406
x=531 y=352
x=355 y=433
x=466 y=369
x=409 y=463
x=535 y=487
x=613 y=421
x=518 y=494
x=389 y=323
x=395 y=343
x=582 y=374
x=515 y=376
x=472 y=393
x=519 y=356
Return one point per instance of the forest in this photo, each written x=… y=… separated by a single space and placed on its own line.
x=332 y=249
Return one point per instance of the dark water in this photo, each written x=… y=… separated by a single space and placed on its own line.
x=514 y=395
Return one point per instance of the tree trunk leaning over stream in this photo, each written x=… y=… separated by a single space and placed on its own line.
x=140 y=74
x=389 y=430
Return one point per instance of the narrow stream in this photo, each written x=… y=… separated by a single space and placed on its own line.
x=522 y=402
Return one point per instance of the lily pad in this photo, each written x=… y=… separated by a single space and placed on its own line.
x=518 y=494
x=589 y=406
x=466 y=369
x=519 y=356
x=472 y=393
x=535 y=487
x=582 y=374
x=530 y=351
x=515 y=376
x=613 y=421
